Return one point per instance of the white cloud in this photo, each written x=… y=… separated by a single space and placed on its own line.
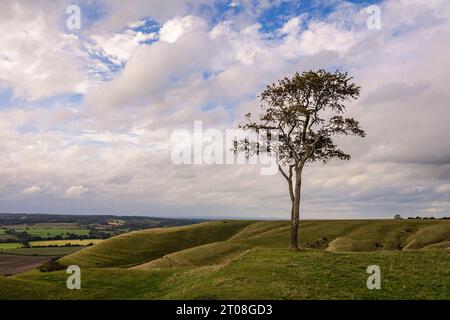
x=112 y=152
x=32 y=190
x=323 y=36
x=36 y=59
x=76 y=191
x=119 y=47
x=291 y=27
x=175 y=28
x=443 y=188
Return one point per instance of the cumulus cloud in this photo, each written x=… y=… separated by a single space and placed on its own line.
x=75 y=191
x=32 y=190
x=110 y=152
x=119 y=47
x=175 y=28
x=36 y=58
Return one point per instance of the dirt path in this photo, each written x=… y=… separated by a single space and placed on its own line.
x=10 y=264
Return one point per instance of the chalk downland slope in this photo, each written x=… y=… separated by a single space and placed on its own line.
x=142 y=246
x=212 y=254
x=257 y=274
x=250 y=260
x=433 y=236
x=334 y=236
x=218 y=242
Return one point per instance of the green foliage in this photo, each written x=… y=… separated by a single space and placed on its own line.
x=51 y=265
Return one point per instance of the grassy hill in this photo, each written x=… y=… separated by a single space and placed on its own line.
x=142 y=246
x=249 y=260
x=335 y=236
x=170 y=244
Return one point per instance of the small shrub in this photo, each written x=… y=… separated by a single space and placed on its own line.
x=52 y=265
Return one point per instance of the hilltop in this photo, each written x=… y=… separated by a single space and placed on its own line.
x=249 y=260
x=217 y=241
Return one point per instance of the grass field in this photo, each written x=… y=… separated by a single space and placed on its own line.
x=61 y=243
x=249 y=260
x=60 y=250
x=50 y=251
x=8 y=237
x=8 y=246
x=259 y=274
x=141 y=246
x=336 y=236
x=51 y=229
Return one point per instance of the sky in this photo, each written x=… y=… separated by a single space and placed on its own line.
x=87 y=110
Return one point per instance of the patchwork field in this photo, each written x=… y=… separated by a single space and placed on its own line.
x=46 y=251
x=9 y=246
x=61 y=243
x=50 y=229
x=50 y=247
x=249 y=260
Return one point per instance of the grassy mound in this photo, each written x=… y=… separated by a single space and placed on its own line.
x=346 y=244
x=444 y=245
x=143 y=246
x=218 y=253
x=249 y=260
x=334 y=236
x=184 y=246
x=428 y=236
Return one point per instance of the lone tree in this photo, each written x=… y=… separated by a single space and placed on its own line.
x=306 y=112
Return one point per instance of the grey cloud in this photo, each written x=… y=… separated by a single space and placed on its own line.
x=120 y=180
x=402 y=166
x=393 y=92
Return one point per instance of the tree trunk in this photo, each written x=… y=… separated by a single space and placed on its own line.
x=294 y=240
x=295 y=211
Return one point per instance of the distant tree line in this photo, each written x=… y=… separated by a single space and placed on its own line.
x=99 y=226
x=429 y=218
x=130 y=222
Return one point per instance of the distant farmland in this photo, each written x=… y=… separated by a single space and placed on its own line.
x=9 y=246
x=61 y=243
x=11 y=264
x=50 y=229
x=45 y=251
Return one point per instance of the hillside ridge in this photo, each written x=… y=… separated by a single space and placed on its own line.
x=218 y=242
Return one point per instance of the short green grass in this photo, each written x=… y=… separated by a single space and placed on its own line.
x=203 y=244
x=217 y=253
x=258 y=274
x=249 y=260
x=142 y=246
x=281 y=274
